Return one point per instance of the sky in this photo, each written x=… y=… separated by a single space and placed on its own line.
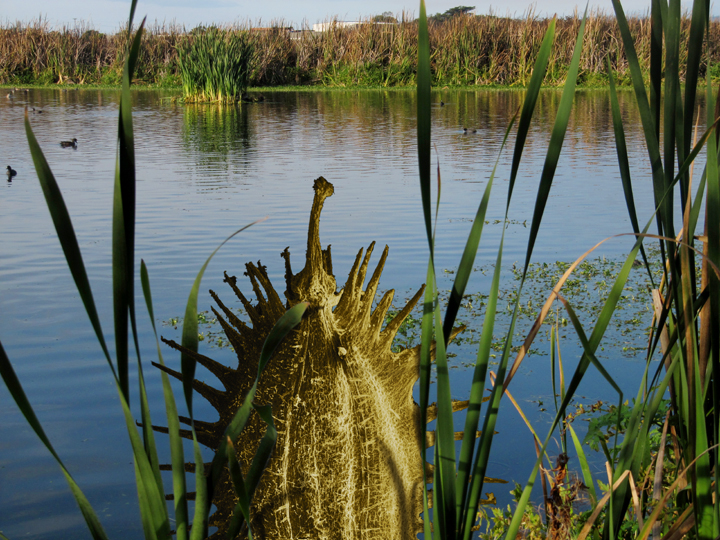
x=108 y=15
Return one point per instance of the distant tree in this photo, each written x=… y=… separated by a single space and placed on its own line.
x=452 y=12
x=386 y=16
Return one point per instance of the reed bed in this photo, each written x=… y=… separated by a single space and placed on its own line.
x=215 y=65
x=465 y=51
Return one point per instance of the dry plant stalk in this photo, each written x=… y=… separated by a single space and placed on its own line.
x=346 y=461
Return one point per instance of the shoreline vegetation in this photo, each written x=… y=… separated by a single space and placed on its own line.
x=466 y=51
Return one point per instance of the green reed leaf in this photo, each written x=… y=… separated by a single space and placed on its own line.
x=472 y=418
x=149 y=481
x=176 y=445
x=471 y=246
x=672 y=128
x=203 y=494
x=556 y=142
x=531 y=95
x=426 y=329
x=290 y=319
x=123 y=236
x=695 y=40
x=584 y=466
x=587 y=349
x=621 y=149
x=656 y=61
x=651 y=125
x=424 y=119
x=469 y=499
x=545 y=183
x=424 y=148
x=66 y=235
x=242 y=508
x=18 y=394
x=190 y=324
x=445 y=439
x=259 y=463
x=712 y=217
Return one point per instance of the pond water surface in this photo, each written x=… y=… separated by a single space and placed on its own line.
x=204 y=172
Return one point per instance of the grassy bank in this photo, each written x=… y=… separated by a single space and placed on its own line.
x=465 y=51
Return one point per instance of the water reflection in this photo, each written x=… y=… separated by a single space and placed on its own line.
x=206 y=171
x=216 y=130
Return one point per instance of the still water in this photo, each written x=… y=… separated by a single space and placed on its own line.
x=203 y=172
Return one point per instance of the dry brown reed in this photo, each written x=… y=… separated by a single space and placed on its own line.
x=466 y=50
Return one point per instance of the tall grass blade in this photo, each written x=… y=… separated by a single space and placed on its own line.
x=190 y=324
x=18 y=394
x=424 y=119
x=424 y=145
x=586 y=346
x=203 y=485
x=151 y=495
x=472 y=418
x=585 y=361
x=656 y=40
x=445 y=438
x=556 y=142
x=623 y=163
x=651 y=125
x=66 y=236
x=531 y=95
x=584 y=466
x=177 y=454
x=471 y=246
x=712 y=249
x=203 y=493
x=242 y=509
x=548 y=172
x=285 y=324
x=259 y=462
x=123 y=237
x=671 y=97
x=695 y=40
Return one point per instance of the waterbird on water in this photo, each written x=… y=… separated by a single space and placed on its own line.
x=10 y=173
x=69 y=144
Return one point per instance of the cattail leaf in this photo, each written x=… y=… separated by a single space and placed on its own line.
x=18 y=394
x=285 y=324
x=190 y=324
x=176 y=444
x=66 y=235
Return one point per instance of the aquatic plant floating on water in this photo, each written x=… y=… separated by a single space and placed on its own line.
x=346 y=462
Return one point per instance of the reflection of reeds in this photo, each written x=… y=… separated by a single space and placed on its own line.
x=217 y=134
x=465 y=50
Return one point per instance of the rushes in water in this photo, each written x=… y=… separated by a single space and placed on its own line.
x=215 y=64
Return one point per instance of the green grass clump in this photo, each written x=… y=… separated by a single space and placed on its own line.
x=215 y=65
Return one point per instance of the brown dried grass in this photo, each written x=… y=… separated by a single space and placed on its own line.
x=466 y=50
